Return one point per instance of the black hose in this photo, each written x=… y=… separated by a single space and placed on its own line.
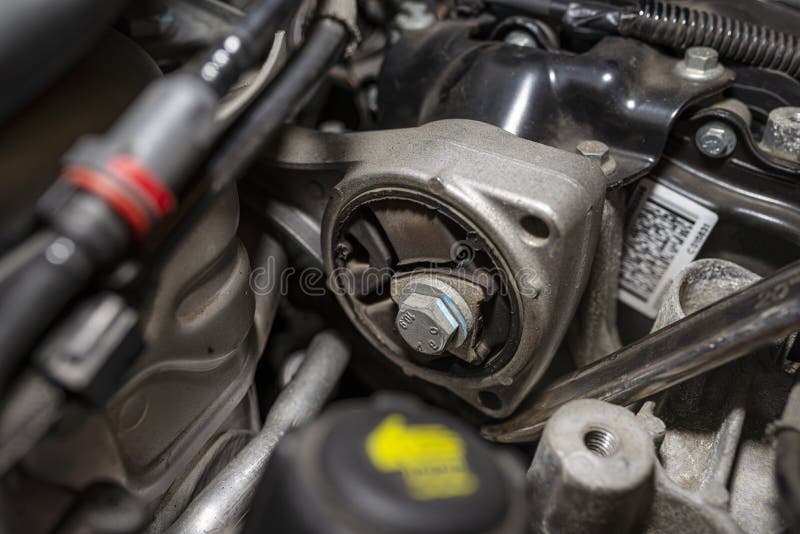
x=296 y=83
x=226 y=62
x=99 y=234
x=33 y=297
x=41 y=39
x=681 y=27
x=676 y=26
x=265 y=19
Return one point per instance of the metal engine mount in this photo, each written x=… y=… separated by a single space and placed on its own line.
x=460 y=251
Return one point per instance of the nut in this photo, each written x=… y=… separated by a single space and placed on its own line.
x=701 y=58
x=599 y=151
x=433 y=316
x=782 y=134
x=426 y=323
x=700 y=63
x=716 y=140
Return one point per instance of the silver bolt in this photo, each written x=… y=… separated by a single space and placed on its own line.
x=433 y=316
x=700 y=63
x=701 y=58
x=599 y=151
x=521 y=38
x=414 y=16
x=782 y=134
x=716 y=140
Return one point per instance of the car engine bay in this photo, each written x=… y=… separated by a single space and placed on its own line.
x=399 y=266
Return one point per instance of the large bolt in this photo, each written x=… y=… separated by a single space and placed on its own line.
x=716 y=140
x=414 y=16
x=600 y=152
x=700 y=63
x=433 y=316
x=782 y=134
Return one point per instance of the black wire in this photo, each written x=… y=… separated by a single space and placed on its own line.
x=264 y=20
x=254 y=34
x=294 y=85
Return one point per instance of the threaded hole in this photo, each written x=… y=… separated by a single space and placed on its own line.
x=601 y=442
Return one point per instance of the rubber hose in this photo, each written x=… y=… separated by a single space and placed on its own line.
x=41 y=39
x=296 y=82
x=33 y=298
x=681 y=27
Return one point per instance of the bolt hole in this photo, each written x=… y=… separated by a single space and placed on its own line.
x=535 y=227
x=490 y=400
x=601 y=442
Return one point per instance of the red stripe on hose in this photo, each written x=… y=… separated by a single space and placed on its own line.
x=148 y=186
x=116 y=197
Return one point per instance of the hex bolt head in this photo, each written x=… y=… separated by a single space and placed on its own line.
x=426 y=323
x=782 y=134
x=521 y=38
x=716 y=140
x=414 y=16
x=702 y=58
x=599 y=151
x=700 y=63
x=432 y=316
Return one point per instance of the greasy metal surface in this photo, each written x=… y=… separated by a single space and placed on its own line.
x=593 y=471
x=716 y=444
x=594 y=332
x=747 y=153
x=223 y=503
x=205 y=330
x=622 y=92
x=486 y=175
x=705 y=340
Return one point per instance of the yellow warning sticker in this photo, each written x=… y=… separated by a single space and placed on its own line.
x=431 y=458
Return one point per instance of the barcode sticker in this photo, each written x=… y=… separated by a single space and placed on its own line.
x=665 y=233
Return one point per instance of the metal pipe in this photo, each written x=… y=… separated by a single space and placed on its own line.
x=269 y=257
x=224 y=502
x=727 y=330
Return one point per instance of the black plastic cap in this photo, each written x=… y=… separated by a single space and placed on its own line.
x=390 y=467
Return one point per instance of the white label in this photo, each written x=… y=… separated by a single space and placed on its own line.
x=665 y=233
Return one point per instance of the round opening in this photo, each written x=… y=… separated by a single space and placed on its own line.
x=601 y=442
x=490 y=400
x=795 y=117
x=535 y=227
